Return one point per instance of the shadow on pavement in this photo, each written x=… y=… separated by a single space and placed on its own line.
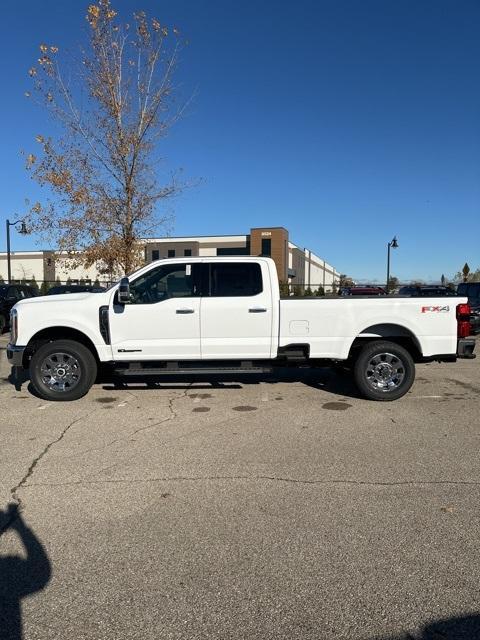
x=18 y=376
x=332 y=380
x=461 y=628
x=324 y=379
x=19 y=576
x=335 y=381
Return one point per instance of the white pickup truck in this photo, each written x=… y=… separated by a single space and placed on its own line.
x=225 y=315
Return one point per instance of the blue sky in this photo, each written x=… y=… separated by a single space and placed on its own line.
x=345 y=121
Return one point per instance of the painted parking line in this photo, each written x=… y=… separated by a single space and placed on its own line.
x=434 y=397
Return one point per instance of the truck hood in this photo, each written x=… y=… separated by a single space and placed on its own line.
x=63 y=299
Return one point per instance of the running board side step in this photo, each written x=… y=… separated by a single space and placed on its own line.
x=172 y=368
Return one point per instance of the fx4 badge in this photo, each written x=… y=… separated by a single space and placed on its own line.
x=438 y=309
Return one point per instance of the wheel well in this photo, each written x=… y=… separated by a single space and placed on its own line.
x=392 y=332
x=58 y=333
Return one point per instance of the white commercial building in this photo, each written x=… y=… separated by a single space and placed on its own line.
x=295 y=266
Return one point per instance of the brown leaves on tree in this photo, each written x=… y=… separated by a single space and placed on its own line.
x=102 y=174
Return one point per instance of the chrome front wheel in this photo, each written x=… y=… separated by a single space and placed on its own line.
x=61 y=372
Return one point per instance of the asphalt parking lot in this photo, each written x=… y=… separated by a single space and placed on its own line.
x=277 y=509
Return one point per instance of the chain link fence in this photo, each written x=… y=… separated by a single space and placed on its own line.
x=299 y=290
x=287 y=289
x=42 y=287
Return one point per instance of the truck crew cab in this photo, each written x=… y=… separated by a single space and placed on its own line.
x=214 y=315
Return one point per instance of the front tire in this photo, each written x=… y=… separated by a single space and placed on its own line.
x=62 y=370
x=384 y=371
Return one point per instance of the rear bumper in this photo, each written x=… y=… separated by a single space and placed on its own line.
x=15 y=355
x=465 y=348
x=475 y=323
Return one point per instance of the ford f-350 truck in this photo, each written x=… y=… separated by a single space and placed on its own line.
x=225 y=315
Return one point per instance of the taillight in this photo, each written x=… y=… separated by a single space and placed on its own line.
x=463 y=320
x=463 y=310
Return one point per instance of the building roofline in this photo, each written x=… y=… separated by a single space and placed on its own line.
x=13 y=254
x=173 y=238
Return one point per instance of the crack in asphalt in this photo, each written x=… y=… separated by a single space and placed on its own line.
x=14 y=490
x=173 y=413
x=172 y=416
x=393 y=483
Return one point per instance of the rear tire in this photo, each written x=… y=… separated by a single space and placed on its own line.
x=62 y=370
x=384 y=371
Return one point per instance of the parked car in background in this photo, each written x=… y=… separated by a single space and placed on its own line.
x=426 y=291
x=364 y=291
x=10 y=294
x=472 y=291
x=74 y=288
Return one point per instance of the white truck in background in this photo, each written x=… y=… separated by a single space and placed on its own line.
x=225 y=315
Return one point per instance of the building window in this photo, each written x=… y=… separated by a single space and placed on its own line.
x=187 y=253
x=233 y=251
x=171 y=253
x=155 y=254
x=266 y=247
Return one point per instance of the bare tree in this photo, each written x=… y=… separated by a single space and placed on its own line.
x=114 y=106
x=393 y=283
x=345 y=281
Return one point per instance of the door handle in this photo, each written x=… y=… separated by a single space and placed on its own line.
x=257 y=310
x=185 y=310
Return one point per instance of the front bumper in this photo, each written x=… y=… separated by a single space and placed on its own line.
x=15 y=355
x=465 y=348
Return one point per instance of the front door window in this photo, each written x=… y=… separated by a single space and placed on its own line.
x=165 y=282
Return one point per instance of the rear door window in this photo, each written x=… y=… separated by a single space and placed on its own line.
x=235 y=279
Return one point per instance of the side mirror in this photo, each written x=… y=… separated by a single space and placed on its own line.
x=124 y=291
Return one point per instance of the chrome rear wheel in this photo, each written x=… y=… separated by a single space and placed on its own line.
x=385 y=372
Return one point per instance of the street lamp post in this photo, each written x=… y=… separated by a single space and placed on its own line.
x=24 y=232
x=393 y=244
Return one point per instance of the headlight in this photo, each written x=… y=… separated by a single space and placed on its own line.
x=13 y=326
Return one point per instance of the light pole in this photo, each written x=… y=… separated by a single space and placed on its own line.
x=393 y=244
x=24 y=232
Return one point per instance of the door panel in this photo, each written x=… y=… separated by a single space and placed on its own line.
x=163 y=320
x=236 y=316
